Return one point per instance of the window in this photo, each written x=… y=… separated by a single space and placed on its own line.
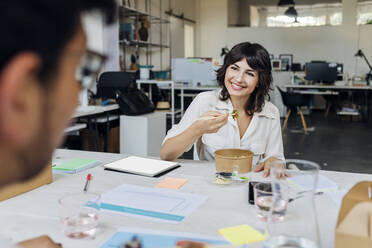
x=255 y=13
x=364 y=12
x=307 y=15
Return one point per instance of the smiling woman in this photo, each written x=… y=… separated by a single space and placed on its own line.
x=252 y=63
x=245 y=80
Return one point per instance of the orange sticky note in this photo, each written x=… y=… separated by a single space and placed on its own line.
x=171 y=183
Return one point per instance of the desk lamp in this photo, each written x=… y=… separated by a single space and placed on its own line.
x=360 y=54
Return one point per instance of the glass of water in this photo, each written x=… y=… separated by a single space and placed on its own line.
x=79 y=214
x=263 y=196
x=300 y=227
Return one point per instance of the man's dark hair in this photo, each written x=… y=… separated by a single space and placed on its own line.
x=44 y=27
x=258 y=59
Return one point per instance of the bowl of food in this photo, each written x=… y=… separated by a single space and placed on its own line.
x=227 y=160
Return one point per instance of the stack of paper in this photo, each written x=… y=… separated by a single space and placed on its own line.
x=305 y=182
x=73 y=165
x=151 y=203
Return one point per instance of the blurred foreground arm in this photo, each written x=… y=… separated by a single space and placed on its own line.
x=39 y=242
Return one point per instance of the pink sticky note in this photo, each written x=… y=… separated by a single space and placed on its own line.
x=171 y=183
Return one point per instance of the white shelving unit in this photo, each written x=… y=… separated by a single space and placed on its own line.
x=173 y=85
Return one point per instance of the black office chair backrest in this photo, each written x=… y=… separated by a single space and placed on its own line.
x=293 y=100
x=116 y=78
x=110 y=81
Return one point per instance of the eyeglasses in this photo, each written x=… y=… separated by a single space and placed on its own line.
x=89 y=68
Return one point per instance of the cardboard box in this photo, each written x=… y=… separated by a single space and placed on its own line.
x=354 y=224
x=44 y=177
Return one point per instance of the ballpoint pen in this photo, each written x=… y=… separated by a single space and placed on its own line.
x=299 y=196
x=89 y=177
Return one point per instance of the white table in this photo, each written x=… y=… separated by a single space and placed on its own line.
x=93 y=112
x=328 y=87
x=36 y=212
x=191 y=87
x=334 y=90
x=75 y=128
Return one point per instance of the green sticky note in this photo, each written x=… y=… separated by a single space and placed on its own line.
x=75 y=164
x=194 y=60
x=240 y=235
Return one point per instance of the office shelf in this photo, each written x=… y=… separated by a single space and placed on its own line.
x=141 y=43
x=144 y=49
x=131 y=12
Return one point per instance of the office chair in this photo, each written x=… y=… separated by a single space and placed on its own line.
x=332 y=101
x=110 y=81
x=293 y=101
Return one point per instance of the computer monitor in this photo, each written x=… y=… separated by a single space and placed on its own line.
x=110 y=82
x=322 y=72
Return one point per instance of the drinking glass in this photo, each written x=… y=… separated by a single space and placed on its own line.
x=263 y=196
x=300 y=227
x=79 y=214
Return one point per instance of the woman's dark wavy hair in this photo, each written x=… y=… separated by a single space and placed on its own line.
x=258 y=59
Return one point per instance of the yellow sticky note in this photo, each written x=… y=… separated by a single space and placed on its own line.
x=239 y=235
x=171 y=183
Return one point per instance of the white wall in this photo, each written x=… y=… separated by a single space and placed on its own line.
x=93 y=26
x=187 y=7
x=331 y=43
x=102 y=38
x=189 y=40
x=178 y=38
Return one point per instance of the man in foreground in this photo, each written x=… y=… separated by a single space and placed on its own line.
x=41 y=49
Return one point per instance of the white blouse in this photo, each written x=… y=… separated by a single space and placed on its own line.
x=263 y=135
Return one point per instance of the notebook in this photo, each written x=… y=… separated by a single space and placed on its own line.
x=141 y=166
x=72 y=166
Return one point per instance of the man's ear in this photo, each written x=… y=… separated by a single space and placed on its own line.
x=18 y=92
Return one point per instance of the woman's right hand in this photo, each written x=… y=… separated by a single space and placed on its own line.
x=210 y=122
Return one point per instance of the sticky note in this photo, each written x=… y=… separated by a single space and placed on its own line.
x=240 y=235
x=171 y=183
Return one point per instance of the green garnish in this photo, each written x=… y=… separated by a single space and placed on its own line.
x=235 y=114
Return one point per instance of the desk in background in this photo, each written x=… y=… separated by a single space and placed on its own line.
x=173 y=86
x=327 y=87
x=226 y=206
x=334 y=90
x=94 y=115
x=82 y=111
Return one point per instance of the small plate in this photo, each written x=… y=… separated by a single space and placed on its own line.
x=226 y=178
